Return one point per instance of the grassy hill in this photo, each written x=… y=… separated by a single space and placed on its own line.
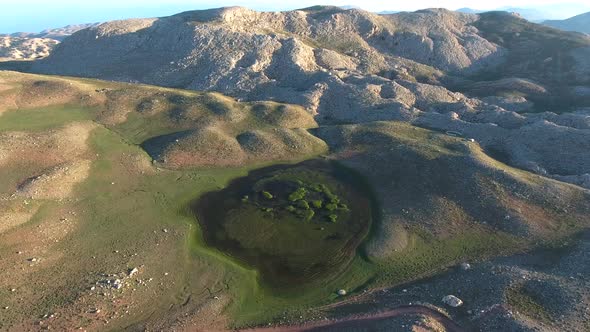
x=96 y=230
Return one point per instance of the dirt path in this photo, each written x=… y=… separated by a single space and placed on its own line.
x=358 y=322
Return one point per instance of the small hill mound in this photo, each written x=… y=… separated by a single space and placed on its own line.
x=177 y=128
x=57 y=182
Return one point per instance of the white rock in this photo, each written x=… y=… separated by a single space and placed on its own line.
x=341 y=292
x=465 y=266
x=452 y=300
x=133 y=272
x=117 y=284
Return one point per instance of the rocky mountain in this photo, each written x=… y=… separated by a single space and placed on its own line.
x=539 y=12
x=531 y=14
x=30 y=46
x=518 y=88
x=580 y=23
x=19 y=48
x=57 y=33
x=467 y=10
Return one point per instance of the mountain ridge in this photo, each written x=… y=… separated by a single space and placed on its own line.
x=58 y=34
x=579 y=23
x=435 y=68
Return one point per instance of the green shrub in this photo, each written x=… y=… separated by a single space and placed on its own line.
x=317 y=204
x=291 y=208
x=303 y=204
x=267 y=195
x=298 y=194
x=309 y=215
x=333 y=217
x=331 y=207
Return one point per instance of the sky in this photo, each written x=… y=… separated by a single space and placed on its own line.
x=37 y=15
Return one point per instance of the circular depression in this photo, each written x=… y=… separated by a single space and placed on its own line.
x=295 y=224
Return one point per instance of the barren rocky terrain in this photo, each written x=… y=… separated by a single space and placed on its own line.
x=20 y=48
x=470 y=134
x=33 y=46
x=58 y=34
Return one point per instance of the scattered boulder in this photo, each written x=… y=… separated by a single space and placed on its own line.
x=342 y=292
x=452 y=301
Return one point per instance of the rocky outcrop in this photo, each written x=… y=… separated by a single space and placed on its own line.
x=297 y=57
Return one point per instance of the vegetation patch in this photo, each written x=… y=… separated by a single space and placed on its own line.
x=293 y=223
x=37 y=119
x=526 y=303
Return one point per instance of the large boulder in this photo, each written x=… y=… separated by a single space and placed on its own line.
x=452 y=301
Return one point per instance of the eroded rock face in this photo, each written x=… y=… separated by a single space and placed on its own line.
x=296 y=57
